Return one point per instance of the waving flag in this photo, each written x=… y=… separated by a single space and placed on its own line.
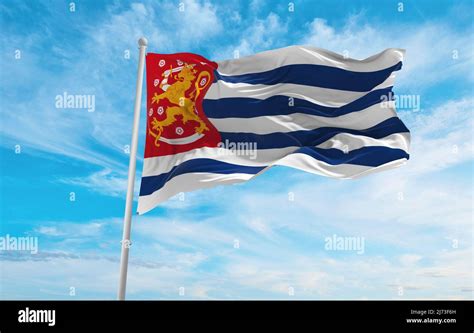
x=218 y=123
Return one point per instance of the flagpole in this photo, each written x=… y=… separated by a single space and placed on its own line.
x=127 y=220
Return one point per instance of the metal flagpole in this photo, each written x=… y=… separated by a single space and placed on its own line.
x=127 y=220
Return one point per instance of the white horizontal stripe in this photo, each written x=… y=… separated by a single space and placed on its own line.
x=345 y=171
x=347 y=142
x=359 y=120
x=154 y=166
x=315 y=95
x=292 y=55
x=186 y=183
x=193 y=181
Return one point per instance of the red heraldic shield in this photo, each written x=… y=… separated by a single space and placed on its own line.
x=176 y=85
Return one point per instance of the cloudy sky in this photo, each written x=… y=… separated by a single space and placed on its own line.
x=63 y=171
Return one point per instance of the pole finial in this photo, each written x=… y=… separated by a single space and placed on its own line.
x=142 y=42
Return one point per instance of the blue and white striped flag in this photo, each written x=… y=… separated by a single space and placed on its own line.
x=220 y=123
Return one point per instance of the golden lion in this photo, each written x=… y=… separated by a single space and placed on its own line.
x=184 y=106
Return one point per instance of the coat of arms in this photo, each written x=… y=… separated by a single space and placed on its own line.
x=175 y=115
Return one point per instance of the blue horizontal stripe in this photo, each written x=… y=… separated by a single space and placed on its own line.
x=316 y=76
x=313 y=137
x=366 y=156
x=239 y=107
x=151 y=184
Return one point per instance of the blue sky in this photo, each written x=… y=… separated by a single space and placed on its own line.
x=247 y=241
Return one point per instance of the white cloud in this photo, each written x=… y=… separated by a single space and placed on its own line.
x=441 y=137
x=259 y=226
x=261 y=35
x=69 y=230
x=410 y=259
x=168 y=253
x=104 y=181
x=49 y=231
